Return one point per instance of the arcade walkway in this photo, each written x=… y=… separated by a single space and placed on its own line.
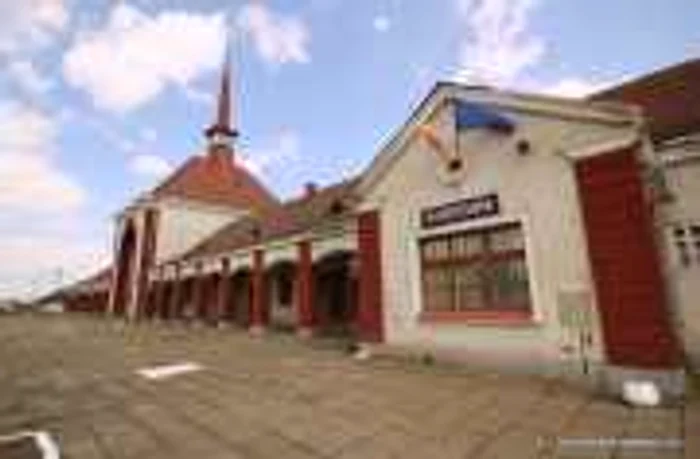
x=278 y=397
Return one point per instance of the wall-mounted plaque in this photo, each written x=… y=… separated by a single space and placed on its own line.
x=464 y=209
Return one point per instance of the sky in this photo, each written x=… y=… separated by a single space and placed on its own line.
x=101 y=99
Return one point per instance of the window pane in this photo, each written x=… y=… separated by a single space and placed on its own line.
x=437 y=289
x=427 y=250
x=467 y=244
x=443 y=249
x=507 y=238
x=469 y=286
x=443 y=290
x=509 y=283
x=477 y=270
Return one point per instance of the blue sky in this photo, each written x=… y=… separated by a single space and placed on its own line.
x=99 y=99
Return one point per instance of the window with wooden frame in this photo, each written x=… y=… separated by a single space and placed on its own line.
x=477 y=274
x=686 y=240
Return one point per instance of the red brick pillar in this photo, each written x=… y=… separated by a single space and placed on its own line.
x=369 y=309
x=303 y=285
x=257 y=293
x=223 y=291
x=176 y=295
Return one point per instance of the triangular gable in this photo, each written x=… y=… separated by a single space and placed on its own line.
x=444 y=93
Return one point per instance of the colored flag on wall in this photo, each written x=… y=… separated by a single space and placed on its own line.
x=471 y=115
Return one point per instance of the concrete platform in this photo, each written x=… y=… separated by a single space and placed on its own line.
x=278 y=396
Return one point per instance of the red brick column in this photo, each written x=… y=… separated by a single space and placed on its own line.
x=222 y=298
x=257 y=293
x=629 y=282
x=176 y=295
x=369 y=310
x=303 y=285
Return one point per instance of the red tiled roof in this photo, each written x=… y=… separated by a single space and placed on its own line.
x=669 y=97
x=217 y=179
x=327 y=205
x=98 y=281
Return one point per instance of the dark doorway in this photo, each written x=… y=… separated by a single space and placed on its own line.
x=125 y=268
x=335 y=293
x=186 y=309
x=210 y=296
x=164 y=311
x=238 y=307
x=279 y=301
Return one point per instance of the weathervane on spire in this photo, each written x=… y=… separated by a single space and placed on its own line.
x=222 y=132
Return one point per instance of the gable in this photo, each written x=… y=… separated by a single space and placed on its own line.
x=546 y=122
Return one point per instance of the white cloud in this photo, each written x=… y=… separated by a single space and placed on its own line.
x=28 y=24
x=135 y=56
x=36 y=263
x=498 y=45
x=280 y=150
x=40 y=204
x=29 y=180
x=25 y=130
x=149 y=135
x=279 y=39
x=381 y=23
x=575 y=88
x=150 y=165
x=195 y=94
x=32 y=183
x=25 y=76
x=106 y=130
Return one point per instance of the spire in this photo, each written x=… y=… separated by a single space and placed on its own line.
x=221 y=132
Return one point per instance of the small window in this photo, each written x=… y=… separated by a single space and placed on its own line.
x=337 y=207
x=686 y=244
x=695 y=241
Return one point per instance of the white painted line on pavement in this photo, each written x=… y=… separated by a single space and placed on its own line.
x=166 y=371
x=49 y=448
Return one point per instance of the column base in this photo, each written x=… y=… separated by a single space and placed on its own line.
x=223 y=325
x=256 y=331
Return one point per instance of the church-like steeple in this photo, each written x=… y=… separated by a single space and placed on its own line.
x=223 y=131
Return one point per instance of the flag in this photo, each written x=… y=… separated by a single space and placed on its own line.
x=471 y=115
x=428 y=133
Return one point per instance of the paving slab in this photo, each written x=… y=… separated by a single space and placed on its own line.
x=280 y=397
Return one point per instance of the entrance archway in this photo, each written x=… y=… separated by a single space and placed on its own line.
x=164 y=311
x=210 y=285
x=335 y=294
x=280 y=313
x=238 y=306
x=186 y=310
x=125 y=269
